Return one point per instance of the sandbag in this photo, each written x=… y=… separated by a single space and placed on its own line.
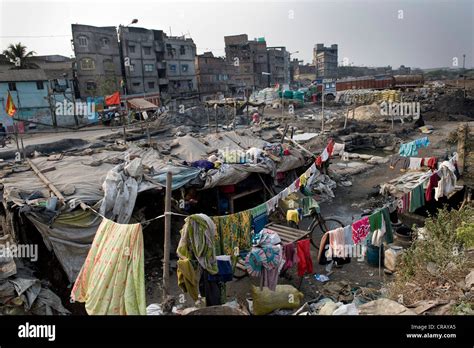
x=284 y=297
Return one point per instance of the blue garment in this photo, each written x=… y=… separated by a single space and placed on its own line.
x=259 y=222
x=224 y=273
x=202 y=164
x=411 y=149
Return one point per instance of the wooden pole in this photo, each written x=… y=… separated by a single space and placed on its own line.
x=298 y=145
x=46 y=181
x=217 y=122
x=235 y=115
x=167 y=239
x=347 y=116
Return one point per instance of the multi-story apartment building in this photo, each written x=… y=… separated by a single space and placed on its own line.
x=214 y=75
x=180 y=56
x=325 y=60
x=250 y=59
x=134 y=61
x=98 y=66
x=278 y=65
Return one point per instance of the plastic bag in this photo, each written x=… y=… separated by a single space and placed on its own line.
x=284 y=297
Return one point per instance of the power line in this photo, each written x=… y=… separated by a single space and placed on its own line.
x=30 y=36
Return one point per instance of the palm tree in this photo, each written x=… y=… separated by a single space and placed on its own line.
x=16 y=54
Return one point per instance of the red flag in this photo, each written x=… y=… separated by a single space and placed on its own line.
x=113 y=99
x=10 y=107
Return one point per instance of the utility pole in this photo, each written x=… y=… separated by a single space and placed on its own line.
x=322 y=108
x=167 y=239
x=464 y=73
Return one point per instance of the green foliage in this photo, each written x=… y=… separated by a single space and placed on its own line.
x=444 y=240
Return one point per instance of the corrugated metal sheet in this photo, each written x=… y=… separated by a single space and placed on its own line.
x=16 y=75
x=141 y=104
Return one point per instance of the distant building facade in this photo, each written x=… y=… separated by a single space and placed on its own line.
x=325 y=60
x=98 y=65
x=278 y=65
x=250 y=59
x=214 y=75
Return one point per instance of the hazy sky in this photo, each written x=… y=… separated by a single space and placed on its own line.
x=430 y=33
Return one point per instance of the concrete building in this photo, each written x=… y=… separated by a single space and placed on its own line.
x=214 y=75
x=278 y=65
x=325 y=60
x=250 y=59
x=36 y=96
x=98 y=66
x=142 y=51
x=180 y=58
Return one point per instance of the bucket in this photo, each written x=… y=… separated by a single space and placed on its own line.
x=373 y=255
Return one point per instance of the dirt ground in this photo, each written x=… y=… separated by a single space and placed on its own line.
x=347 y=205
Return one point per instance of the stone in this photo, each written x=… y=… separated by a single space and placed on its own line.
x=469 y=280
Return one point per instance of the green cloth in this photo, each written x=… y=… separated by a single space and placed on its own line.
x=234 y=233
x=375 y=221
x=388 y=225
x=417 y=198
x=197 y=242
x=258 y=210
x=112 y=279
x=308 y=203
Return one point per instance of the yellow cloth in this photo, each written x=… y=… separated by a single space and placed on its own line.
x=112 y=279
x=187 y=279
x=303 y=179
x=292 y=215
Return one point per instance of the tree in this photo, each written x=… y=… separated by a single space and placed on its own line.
x=17 y=54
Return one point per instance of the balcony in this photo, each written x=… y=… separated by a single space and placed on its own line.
x=159 y=46
x=161 y=65
x=163 y=81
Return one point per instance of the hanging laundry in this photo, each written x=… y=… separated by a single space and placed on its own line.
x=415 y=163
x=308 y=204
x=388 y=225
x=432 y=184
x=265 y=262
x=417 y=198
x=284 y=194
x=198 y=241
x=337 y=242
x=327 y=152
x=292 y=215
x=432 y=163
x=235 y=232
x=259 y=217
x=411 y=148
x=360 y=229
x=303 y=179
x=112 y=278
x=305 y=262
x=225 y=272
x=447 y=181
x=290 y=256
x=271 y=204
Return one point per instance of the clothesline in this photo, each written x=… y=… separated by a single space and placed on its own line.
x=85 y=206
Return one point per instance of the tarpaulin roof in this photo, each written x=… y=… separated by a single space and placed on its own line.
x=141 y=104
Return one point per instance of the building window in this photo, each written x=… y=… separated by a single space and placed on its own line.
x=105 y=42
x=11 y=86
x=172 y=68
x=184 y=68
x=87 y=64
x=151 y=85
x=131 y=48
x=148 y=67
x=147 y=50
x=182 y=50
x=39 y=85
x=82 y=40
x=91 y=85
x=132 y=67
x=109 y=65
x=136 y=84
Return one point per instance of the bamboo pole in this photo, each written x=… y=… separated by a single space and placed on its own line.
x=298 y=145
x=46 y=181
x=167 y=239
